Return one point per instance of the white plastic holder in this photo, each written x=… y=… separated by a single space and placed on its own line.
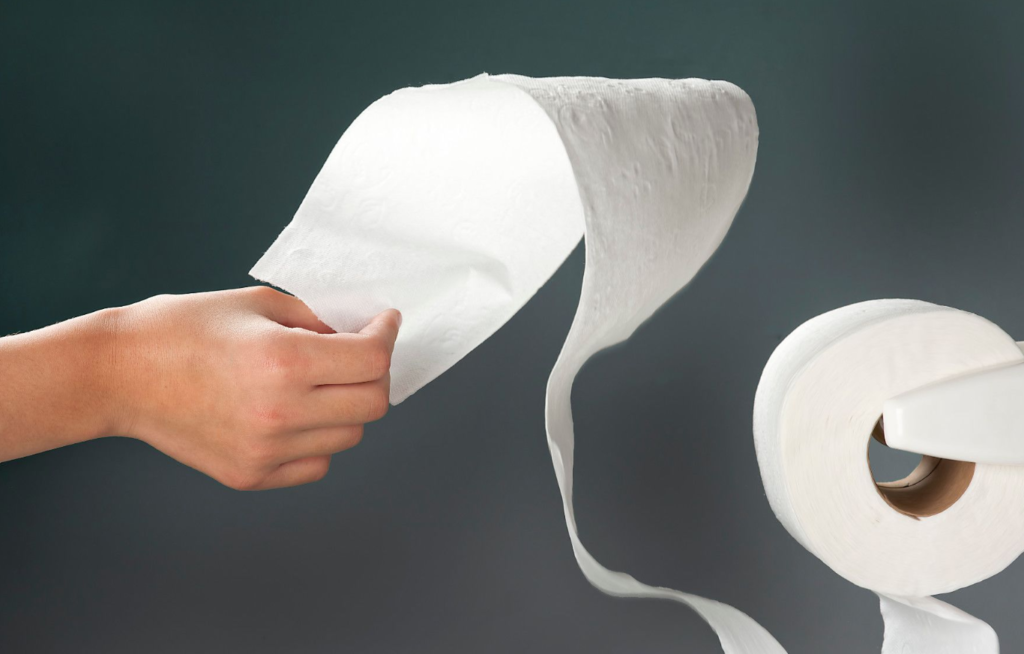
x=975 y=417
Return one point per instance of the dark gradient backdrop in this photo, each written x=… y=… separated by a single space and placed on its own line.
x=159 y=147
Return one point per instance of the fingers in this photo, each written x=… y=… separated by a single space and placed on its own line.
x=351 y=358
x=327 y=441
x=346 y=404
x=296 y=473
x=319 y=389
x=315 y=448
x=259 y=465
x=315 y=353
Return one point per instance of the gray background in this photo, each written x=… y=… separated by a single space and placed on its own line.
x=149 y=148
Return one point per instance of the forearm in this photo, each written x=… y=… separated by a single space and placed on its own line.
x=57 y=385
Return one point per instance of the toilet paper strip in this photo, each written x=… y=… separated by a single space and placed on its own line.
x=819 y=398
x=455 y=203
x=921 y=625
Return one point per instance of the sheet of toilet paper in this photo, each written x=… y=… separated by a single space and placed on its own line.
x=455 y=203
x=819 y=399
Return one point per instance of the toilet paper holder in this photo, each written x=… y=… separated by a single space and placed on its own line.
x=977 y=416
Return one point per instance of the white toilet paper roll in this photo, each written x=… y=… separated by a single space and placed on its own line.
x=948 y=525
x=454 y=203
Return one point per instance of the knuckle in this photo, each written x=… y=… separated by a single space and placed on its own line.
x=348 y=437
x=356 y=435
x=320 y=469
x=278 y=359
x=269 y=418
x=379 y=359
x=376 y=405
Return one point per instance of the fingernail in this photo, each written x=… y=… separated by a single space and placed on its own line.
x=399 y=317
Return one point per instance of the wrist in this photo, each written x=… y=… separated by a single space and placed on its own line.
x=107 y=353
x=92 y=381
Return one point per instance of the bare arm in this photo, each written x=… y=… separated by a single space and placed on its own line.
x=244 y=385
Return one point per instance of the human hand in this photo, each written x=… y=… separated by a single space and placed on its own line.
x=247 y=385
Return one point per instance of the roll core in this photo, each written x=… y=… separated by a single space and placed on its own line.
x=930 y=488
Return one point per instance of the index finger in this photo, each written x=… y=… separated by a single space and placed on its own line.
x=352 y=358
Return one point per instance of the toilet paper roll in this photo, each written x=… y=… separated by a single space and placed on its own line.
x=455 y=203
x=948 y=525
